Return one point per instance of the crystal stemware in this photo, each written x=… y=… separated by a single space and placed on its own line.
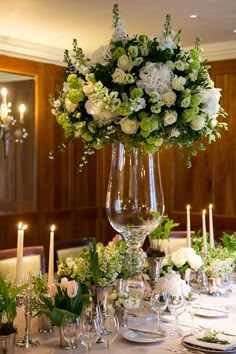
x=176 y=305
x=159 y=300
x=70 y=328
x=108 y=326
x=89 y=329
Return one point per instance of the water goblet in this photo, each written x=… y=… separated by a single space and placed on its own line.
x=158 y=301
x=70 y=330
x=176 y=306
x=89 y=329
x=108 y=326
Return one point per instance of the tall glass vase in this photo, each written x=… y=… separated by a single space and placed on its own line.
x=135 y=201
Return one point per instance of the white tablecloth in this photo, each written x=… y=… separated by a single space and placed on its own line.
x=49 y=343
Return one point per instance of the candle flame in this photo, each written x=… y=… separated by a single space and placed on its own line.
x=24 y=227
x=20 y=225
x=188 y=207
x=210 y=206
x=204 y=212
x=53 y=228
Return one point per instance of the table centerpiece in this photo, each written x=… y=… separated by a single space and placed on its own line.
x=139 y=93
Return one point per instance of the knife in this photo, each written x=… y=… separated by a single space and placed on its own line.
x=146 y=332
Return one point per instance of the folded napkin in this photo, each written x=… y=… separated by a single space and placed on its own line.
x=194 y=340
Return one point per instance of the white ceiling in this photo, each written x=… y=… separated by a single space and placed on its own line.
x=55 y=23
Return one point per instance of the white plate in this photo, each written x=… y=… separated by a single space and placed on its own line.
x=139 y=337
x=210 y=313
x=193 y=347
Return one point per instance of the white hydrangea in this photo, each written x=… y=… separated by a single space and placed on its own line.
x=155 y=77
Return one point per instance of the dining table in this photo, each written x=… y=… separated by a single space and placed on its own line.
x=211 y=312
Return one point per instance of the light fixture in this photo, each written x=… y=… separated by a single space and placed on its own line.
x=9 y=126
x=193 y=16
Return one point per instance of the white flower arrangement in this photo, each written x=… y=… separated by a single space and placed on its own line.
x=184 y=258
x=219 y=262
x=140 y=90
x=110 y=264
x=172 y=283
x=122 y=300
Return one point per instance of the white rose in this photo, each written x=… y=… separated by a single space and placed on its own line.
x=70 y=106
x=178 y=83
x=88 y=89
x=198 y=123
x=170 y=117
x=119 y=77
x=129 y=126
x=124 y=63
x=180 y=65
x=93 y=108
x=169 y=98
x=178 y=258
x=175 y=133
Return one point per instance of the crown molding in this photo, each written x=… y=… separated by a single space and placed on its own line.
x=33 y=51
x=48 y=54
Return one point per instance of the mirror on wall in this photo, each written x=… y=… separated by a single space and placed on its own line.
x=17 y=143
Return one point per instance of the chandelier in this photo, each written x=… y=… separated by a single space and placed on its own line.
x=9 y=126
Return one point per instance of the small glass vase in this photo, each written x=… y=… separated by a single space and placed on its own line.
x=135 y=201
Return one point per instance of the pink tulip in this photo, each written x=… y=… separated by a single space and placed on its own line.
x=52 y=290
x=64 y=282
x=116 y=238
x=72 y=288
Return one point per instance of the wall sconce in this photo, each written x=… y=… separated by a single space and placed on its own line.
x=9 y=126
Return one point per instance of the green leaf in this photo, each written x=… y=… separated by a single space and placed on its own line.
x=94 y=263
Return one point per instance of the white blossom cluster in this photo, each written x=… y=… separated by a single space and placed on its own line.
x=149 y=89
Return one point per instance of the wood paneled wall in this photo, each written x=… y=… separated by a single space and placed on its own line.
x=75 y=201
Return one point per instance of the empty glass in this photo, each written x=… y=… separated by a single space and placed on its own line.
x=159 y=302
x=70 y=328
x=176 y=305
x=108 y=326
x=89 y=329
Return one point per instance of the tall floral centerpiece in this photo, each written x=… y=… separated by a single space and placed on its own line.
x=138 y=93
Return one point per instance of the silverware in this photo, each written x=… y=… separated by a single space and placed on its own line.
x=146 y=332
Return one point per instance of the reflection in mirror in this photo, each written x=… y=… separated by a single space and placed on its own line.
x=17 y=133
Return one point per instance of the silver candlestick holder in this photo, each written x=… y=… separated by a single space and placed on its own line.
x=27 y=341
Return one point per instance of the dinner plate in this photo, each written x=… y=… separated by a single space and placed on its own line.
x=139 y=337
x=193 y=347
x=210 y=313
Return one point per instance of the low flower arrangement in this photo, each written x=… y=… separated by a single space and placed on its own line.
x=219 y=262
x=122 y=300
x=185 y=258
x=140 y=90
x=99 y=265
x=65 y=298
x=172 y=283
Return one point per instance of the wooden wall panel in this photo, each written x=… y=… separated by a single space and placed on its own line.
x=75 y=202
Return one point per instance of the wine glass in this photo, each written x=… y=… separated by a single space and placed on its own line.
x=176 y=305
x=89 y=328
x=70 y=328
x=159 y=300
x=108 y=326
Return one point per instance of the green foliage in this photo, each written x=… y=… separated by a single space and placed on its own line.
x=94 y=263
x=211 y=337
x=8 y=295
x=197 y=241
x=229 y=241
x=163 y=230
